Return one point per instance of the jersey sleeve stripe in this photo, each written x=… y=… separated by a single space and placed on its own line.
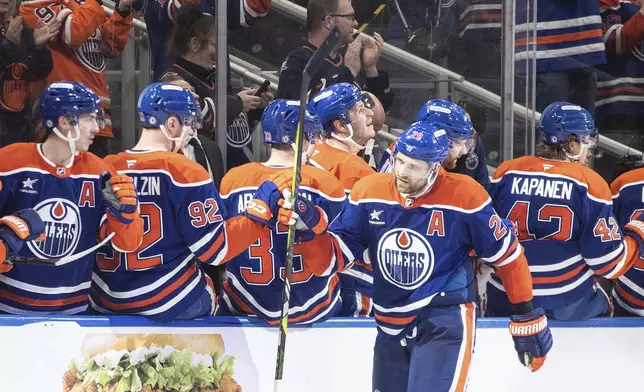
x=595 y=262
x=511 y=255
x=504 y=248
x=194 y=248
x=345 y=249
x=614 y=268
x=214 y=248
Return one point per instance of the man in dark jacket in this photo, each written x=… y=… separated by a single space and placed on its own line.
x=362 y=54
x=24 y=58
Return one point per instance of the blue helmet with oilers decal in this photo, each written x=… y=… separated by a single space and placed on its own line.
x=334 y=103
x=448 y=116
x=425 y=142
x=280 y=119
x=68 y=99
x=159 y=101
x=563 y=119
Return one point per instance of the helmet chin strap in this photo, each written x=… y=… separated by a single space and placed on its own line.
x=305 y=154
x=582 y=151
x=70 y=141
x=178 y=141
x=349 y=139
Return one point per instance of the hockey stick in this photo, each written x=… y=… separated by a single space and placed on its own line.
x=57 y=262
x=311 y=67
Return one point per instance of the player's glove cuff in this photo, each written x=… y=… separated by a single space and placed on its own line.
x=635 y=230
x=260 y=212
x=24 y=225
x=532 y=338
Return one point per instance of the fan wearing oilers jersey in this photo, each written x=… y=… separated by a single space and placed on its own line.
x=67 y=186
x=563 y=215
x=186 y=222
x=255 y=277
x=424 y=290
x=347 y=121
x=458 y=125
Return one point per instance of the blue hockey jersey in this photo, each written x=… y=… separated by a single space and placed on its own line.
x=185 y=223
x=70 y=203
x=255 y=280
x=563 y=214
x=419 y=248
x=628 y=202
x=620 y=84
x=568 y=35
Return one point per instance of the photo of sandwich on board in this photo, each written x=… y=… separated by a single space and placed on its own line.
x=151 y=363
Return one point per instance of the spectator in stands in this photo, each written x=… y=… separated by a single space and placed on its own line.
x=568 y=46
x=159 y=15
x=620 y=108
x=193 y=43
x=24 y=58
x=321 y=17
x=89 y=37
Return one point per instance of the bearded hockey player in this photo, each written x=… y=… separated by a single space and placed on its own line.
x=417 y=227
x=62 y=182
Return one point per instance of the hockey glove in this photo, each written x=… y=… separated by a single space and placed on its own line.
x=635 y=230
x=264 y=207
x=309 y=219
x=532 y=338
x=121 y=197
x=25 y=225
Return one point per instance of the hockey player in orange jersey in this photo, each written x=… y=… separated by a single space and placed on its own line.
x=562 y=212
x=185 y=221
x=255 y=276
x=347 y=122
x=65 y=185
x=87 y=38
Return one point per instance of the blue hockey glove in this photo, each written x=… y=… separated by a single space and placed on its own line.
x=532 y=338
x=309 y=219
x=264 y=207
x=120 y=194
x=24 y=225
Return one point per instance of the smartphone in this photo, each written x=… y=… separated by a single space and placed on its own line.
x=263 y=88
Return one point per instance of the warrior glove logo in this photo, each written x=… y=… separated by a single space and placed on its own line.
x=405 y=258
x=62 y=227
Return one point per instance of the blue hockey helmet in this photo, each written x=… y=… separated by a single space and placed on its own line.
x=334 y=103
x=159 y=101
x=448 y=116
x=425 y=142
x=68 y=99
x=280 y=119
x=560 y=120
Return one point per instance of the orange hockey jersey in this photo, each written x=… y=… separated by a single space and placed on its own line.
x=346 y=167
x=87 y=37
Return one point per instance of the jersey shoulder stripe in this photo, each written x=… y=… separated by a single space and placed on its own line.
x=628 y=179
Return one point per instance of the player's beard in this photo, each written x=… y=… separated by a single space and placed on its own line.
x=410 y=186
x=449 y=163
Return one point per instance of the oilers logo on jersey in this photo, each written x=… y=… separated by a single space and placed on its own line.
x=90 y=53
x=406 y=258
x=62 y=226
